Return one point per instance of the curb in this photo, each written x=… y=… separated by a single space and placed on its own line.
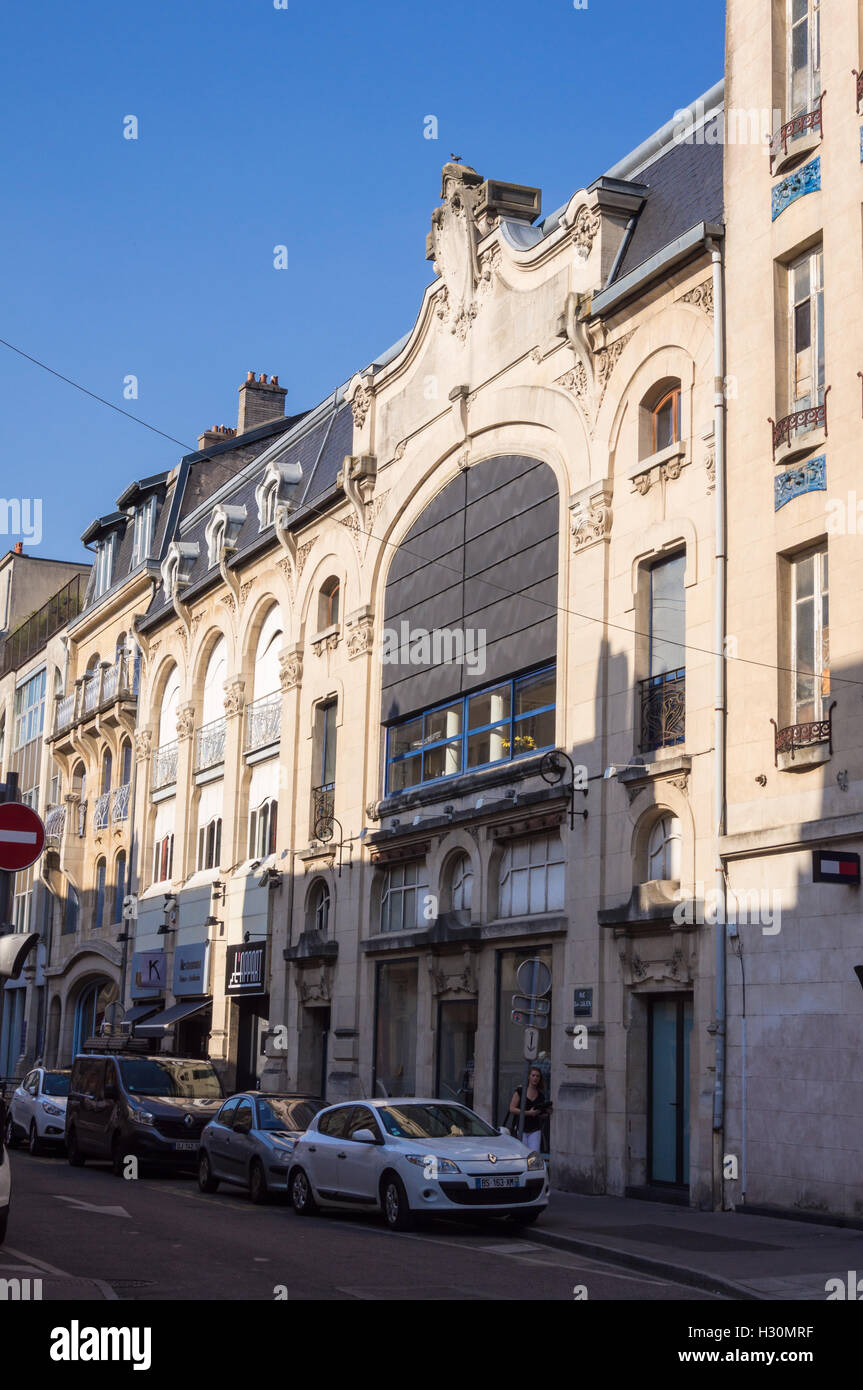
x=680 y=1274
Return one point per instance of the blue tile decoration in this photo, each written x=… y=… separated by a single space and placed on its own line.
x=808 y=477
x=796 y=185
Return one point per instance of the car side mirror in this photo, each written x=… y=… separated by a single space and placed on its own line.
x=364 y=1136
x=502 y=1129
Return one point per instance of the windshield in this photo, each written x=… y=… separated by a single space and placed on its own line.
x=56 y=1083
x=433 y=1122
x=278 y=1112
x=144 y=1076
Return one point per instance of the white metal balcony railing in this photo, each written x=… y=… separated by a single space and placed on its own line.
x=54 y=823
x=210 y=745
x=164 y=766
x=65 y=711
x=120 y=803
x=98 y=688
x=101 y=811
x=263 y=722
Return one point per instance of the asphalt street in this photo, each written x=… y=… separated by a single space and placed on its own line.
x=89 y=1235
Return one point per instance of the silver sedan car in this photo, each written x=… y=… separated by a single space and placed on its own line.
x=251 y=1141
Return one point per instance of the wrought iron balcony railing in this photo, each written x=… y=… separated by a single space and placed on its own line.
x=859 y=77
x=663 y=710
x=164 y=767
x=108 y=683
x=263 y=722
x=60 y=609
x=210 y=745
x=323 y=808
x=101 y=811
x=798 y=125
x=795 y=736
x=55 y=822
x=813 y=417
x=120 y=803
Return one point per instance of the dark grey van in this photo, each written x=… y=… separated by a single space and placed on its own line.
x=152 y=1107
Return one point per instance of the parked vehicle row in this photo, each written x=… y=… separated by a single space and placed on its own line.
x=407 y=1158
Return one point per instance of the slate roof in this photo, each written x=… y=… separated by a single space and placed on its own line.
x=684 y=187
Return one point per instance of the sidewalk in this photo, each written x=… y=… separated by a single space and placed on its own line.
x=739 y=1256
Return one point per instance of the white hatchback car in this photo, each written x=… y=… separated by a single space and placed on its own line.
x=415 y=1157
x=37 y=1109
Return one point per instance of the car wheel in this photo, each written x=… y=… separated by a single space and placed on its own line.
x=399 y=1216
x=11 y=1134
x=34 y=1143
x=302 y=1197
x=73 y=1153
x=524 y=1218
x=258 y=1190
x=206 y=1181
x=4 y=1222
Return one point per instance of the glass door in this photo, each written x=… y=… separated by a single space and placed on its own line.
x=456 y=1034
x=669 y=1029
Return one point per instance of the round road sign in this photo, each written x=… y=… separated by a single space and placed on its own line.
x=534 y=977
x=22 y=836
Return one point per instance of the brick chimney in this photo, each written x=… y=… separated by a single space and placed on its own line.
x=260 y=400
x=217 y=435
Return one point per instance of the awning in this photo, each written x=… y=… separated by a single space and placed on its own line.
x=139 y=1011
x=160 y=1024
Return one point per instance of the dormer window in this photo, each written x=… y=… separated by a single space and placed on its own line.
x=223 y=531
x=142 y=533
x=277 y=483
x=104 y=566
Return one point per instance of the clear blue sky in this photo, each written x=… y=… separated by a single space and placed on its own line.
x=261 y=126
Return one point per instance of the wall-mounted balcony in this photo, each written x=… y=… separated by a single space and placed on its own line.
x=799 y=746
x=797 y=138
x=102 y=811
x=210 y=745
x=55 y=823
x=263 y=723
x=103 y=691
x=663 y=710
x=120 y=804
x=163 y=771
x=801 y=432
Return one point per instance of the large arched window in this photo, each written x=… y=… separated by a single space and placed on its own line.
x=119 y=885
x=125 y=763
x=266 y=679
x=461 y=884
x=107 y=770
x=214 y=684
x=663 y=848
x=329 y=604
x=660 y=417
x=319 y=909
x=168 y=708
x=99 y=903
x=90 y=1012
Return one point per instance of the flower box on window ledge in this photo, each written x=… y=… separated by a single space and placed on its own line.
x=801 y=746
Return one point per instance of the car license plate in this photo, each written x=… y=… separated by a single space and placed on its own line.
x=184 y=1145
x=497 y=1182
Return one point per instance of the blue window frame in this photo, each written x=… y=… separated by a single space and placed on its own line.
x=508 y=720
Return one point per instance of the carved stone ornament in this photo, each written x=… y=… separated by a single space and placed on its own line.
x=667 y=961
x=360 y=636
x=234 y=697
x=326 y=644
x=143 y=744
x=701 y=297
x=315 y=988
x=459 y=978
x=185 y=721
x=290 y=669
x=585 y=227
x=361 y=404
x=591 y=518
x=452 y=246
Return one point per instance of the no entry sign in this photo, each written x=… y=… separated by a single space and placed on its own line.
x=22 y=836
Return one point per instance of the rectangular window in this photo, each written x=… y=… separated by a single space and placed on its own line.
x=104 y=566
x=396 y=1029
x=810 y=637
x=804 y=55
x=30 y=710
x=531 y=877
x=506 y=721
x=806 y=331
x=142 y=535
x=667 y=616
x=163 y=859
x=403 y=900
x=210 y=844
